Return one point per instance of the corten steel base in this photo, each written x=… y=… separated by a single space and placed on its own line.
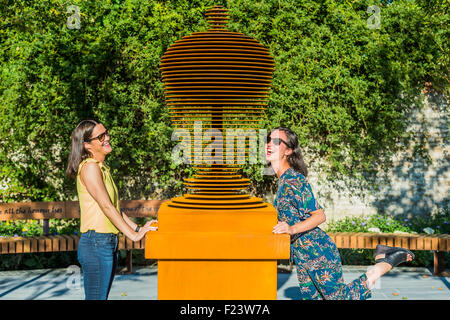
x=216 y=254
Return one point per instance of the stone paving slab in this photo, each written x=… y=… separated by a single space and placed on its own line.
x=65 y=284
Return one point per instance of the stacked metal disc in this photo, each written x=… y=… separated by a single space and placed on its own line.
x=217 y=81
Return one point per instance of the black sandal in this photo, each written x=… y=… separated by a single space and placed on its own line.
x=381 y=249
x=393 y=255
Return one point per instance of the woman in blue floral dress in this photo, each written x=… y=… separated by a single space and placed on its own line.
x=316 y=257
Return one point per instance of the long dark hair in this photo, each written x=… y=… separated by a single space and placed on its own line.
x=78 y=153
x=295 y=159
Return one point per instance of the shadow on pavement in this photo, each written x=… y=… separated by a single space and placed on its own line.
x=25 y=283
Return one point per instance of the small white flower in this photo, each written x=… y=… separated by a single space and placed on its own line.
x=375 y=229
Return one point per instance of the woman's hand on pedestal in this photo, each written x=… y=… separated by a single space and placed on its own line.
x=143 y=230
x=283 y=227
x=151 y=225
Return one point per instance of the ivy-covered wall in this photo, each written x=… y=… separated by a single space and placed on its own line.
x=345 y=87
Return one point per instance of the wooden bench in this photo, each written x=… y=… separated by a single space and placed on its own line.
x=439 y=243
x=66 y=210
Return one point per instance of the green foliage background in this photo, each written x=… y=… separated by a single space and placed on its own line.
x=343 y=87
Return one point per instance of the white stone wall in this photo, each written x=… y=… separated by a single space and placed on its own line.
x=418 y=183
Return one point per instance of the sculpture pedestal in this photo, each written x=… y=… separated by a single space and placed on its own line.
x=217 y=254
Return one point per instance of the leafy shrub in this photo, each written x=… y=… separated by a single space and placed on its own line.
x=42 y=260
x=31 y=228
x=364 y=223
x=342 y=87
x=64 y=226
x=20 y=228
x=439 y=222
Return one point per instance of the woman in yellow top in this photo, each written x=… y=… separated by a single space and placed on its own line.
x=101 y=219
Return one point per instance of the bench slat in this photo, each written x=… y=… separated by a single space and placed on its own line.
x=398 y=241
x=19 y=246
x=375 y=241
x=421 y=243
x=4 y=246
x=128 y=243
x=62 y=243
x=390 y=241
x=54 y=243
x=346 y=240
x=137 y=244
x=354 y=240
x=48 y=245
x=362 y=241
x=34 y=245
x=367 y=242
x=427 y=243
x=142 y=244
x=41 y=244
x=405 y=242
x=26 y=245
x=12 y=247
x=413 y=243
x=434 y=242
x=442 y=243
x=122 y=242
x=76 y=238
x=69 y=243
x=338 y=241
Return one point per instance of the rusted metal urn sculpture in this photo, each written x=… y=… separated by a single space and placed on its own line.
x=216 y=242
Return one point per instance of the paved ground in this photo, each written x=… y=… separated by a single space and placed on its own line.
x=63 y=284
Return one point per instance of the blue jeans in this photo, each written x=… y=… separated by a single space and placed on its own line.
x=97 y=254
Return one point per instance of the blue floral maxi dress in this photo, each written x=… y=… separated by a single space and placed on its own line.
x=316 y=257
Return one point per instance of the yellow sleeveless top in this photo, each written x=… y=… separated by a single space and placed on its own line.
x=91 y=216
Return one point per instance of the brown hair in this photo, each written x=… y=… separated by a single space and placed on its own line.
x=78 y=153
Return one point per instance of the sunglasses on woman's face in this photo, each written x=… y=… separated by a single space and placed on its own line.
x=100 y=137
x=276 y=141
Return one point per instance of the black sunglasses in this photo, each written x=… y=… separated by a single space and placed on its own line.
x=277 y=141
x=100 y=137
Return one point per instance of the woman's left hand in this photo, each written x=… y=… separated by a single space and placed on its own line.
x=282 y=227
x=151 y=225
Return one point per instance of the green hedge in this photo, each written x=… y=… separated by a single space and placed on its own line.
x=344 y=88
